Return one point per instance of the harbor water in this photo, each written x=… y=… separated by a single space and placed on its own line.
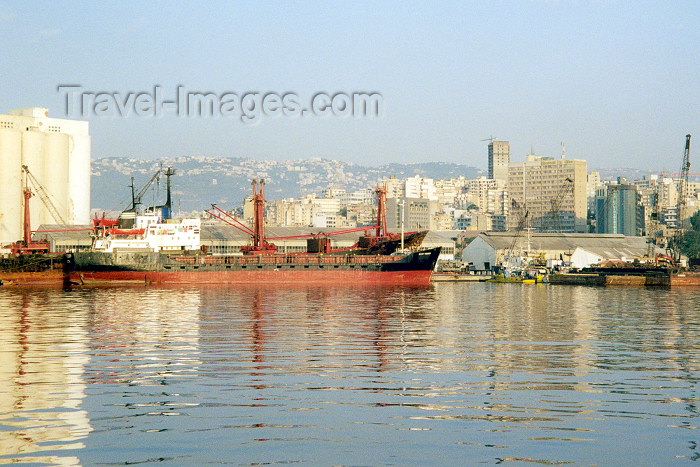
x=447 y=374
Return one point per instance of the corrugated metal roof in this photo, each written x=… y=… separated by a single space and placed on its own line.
x=442 y=236
x=608 y=245
x=63 y=233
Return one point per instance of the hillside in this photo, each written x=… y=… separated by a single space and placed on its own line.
x=201 y=181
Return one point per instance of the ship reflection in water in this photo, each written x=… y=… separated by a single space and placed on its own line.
x=443 y=374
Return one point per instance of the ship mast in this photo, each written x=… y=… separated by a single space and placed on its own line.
x=258 y=209
x=381 y=211
x=166 y=209
x=27 y=221
x=260 y=245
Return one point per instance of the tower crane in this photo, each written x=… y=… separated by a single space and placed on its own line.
x=682 y=195
x=685 y=168
x=523 y=215
x=553 y=217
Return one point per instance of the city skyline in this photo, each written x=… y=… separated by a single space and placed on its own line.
x=615 y=82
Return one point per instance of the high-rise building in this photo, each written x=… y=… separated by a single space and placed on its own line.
x=57 y=153
x=499 y=158
x=619 y=211
x=549 y=194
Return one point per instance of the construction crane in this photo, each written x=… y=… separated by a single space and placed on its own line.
x=682 y=198
x=680 y=174
x=523 y=216
x=680 y=207
x=553 y=219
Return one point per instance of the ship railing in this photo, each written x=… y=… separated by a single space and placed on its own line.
x=286 y=259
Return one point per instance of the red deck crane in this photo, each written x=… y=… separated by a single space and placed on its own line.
x=261 y=246
x=27 y=245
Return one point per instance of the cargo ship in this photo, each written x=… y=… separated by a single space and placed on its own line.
x=150 y=249
x=94 y=268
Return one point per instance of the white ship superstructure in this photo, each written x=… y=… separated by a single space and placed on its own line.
x=152 y=234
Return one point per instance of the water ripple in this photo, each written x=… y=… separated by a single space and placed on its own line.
x=447 y=374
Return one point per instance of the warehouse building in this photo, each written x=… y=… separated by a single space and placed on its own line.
x=65 y=238
x=490 y=249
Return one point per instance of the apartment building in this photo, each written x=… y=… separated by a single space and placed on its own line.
x=551 y=191
x=489 y=195
x=499 y=158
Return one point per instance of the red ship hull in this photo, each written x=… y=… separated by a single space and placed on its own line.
x=340 y=277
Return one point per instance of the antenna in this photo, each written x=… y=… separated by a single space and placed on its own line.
x=490 y=139
x=563 y=150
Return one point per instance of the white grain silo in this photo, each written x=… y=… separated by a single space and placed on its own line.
x=10 y=183
x=57 y=153
x=79 y=179
x=56 y=163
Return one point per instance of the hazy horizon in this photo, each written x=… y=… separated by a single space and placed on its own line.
x=616 y=82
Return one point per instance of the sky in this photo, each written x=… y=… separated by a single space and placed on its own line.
x=616 y=81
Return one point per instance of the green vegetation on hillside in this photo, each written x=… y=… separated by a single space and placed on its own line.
x=690 y=243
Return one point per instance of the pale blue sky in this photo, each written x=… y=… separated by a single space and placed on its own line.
x=616 y=81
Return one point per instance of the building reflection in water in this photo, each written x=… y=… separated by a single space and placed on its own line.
x=42 y=364
x=58 y=347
